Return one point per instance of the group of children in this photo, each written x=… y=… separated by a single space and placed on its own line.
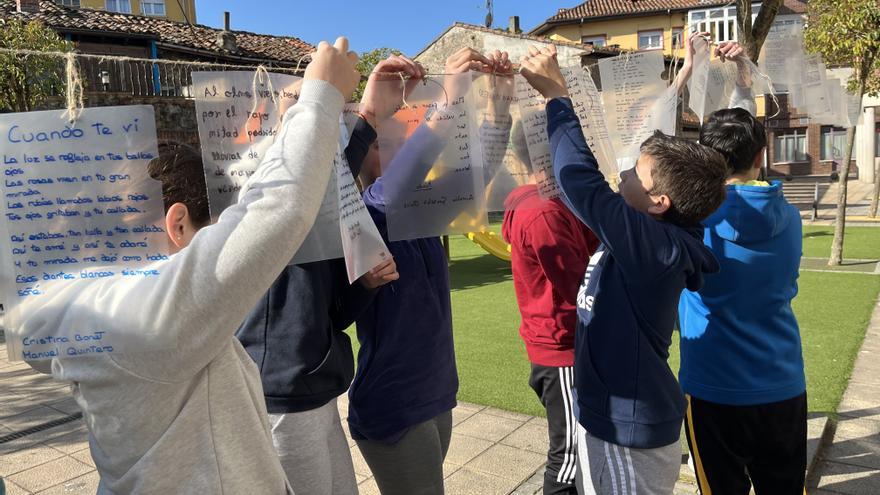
x=257 y=413
x=692 y=237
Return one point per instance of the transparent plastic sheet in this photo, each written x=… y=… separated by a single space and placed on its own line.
x=853 y=109
x=239 y=113
x=587 y=103
x=80 y=209
x=814 y=95
x=782 y=55
x=637 y=101
x=432 y=173
x=533 y=109
x=361 y=241
x=506 y=163
x=697 y=84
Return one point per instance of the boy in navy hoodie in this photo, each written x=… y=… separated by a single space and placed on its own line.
x=741 y=360
x=630 y=405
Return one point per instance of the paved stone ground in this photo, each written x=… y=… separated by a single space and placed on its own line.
x=851 y=464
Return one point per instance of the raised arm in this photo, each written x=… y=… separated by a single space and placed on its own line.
x=742 y=95
x=621 y=228
x=202 y=294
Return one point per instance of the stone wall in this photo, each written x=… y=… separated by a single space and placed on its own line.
x=434 y=56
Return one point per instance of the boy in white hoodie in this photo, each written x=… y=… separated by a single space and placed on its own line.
x=192 y=419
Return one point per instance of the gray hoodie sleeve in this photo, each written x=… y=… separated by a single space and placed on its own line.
x=191 y=310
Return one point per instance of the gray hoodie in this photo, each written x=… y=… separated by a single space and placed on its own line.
x=192 y=420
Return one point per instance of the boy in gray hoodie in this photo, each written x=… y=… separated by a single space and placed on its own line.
x=192 y=419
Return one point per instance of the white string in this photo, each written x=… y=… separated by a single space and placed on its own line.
x=192 y=63
x=403 y=89
x=262 y=75
x=74 y=89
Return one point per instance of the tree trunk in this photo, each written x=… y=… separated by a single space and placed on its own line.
x=876 y=195
x=752 y=35
x=840 y=217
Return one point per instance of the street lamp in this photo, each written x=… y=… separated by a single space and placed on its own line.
x=105 y=79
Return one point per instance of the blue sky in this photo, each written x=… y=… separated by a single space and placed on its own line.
x=408 y=26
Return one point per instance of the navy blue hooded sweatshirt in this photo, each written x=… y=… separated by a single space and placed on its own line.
x=628 y=302
x=406 y=364
x=740 y=342
x=296 y=332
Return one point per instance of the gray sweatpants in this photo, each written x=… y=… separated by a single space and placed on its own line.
x=608 y=469
x=314 y=451
x=414 y=465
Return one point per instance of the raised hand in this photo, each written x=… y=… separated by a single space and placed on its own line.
x=729 y=50
x=336 y=65
x=381 y=96
x=380 y=275
x=541 y=70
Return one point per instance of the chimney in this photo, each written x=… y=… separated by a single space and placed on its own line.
x=513 y=25
x=28 y=6
x=225 y=39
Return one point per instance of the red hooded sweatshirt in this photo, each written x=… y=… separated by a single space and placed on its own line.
x=550 y=249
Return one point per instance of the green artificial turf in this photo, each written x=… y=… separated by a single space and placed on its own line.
x=858 y=242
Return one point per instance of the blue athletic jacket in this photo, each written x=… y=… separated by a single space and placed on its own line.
x=740 y=342
x=627 y=304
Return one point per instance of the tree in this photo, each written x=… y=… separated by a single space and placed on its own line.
x=27 y=80
x=365 y=65
x=752 y=35
x=846 y=34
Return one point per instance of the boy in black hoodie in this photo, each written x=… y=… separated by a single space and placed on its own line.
x=630 y=405
x=296 y=332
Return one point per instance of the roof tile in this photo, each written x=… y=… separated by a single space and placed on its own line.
x=196 y=36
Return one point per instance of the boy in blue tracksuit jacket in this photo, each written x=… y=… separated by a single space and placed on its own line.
x=630 y=405
x=741 y=360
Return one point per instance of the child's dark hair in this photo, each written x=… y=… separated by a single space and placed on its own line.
x=736 y=134
x=179 y=168
x=692 y=175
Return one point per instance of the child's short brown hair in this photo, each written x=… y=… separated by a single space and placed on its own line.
x=179 y=168
x=692 y=175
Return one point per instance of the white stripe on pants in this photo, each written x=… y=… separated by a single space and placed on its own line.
x=609 y=469
x=569 y=463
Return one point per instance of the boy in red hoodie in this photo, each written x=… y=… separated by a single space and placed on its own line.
x=550 y=248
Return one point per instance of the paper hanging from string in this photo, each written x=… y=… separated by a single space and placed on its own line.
x=239 y=114
x=80 y=208
x=432 y=173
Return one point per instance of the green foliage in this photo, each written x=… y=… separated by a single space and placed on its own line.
x=365 y=65
x=847 y=33
x=26 y=80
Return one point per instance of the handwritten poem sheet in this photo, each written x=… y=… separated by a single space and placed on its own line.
x=587 y=103
x=432 y=162
x=636 y=100
x=506 y=164
x=533 y=111
x=239 y=114
x=79 y=207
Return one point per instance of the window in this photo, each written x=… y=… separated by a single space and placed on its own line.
x=68 y=3
x=121 y=6
x=719 y=21
x=833 y=143
x=790 y=146
x=677 y=38
x=153 y=7
x=650 y=40
x=597 y=40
